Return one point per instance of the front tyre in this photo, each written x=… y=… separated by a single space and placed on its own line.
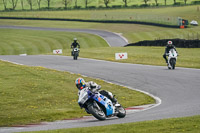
x=173 y=63
x=75 y=55
x=121 y=112
x=96 y=111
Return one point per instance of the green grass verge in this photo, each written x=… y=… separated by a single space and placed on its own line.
x=173 y=125
x=40 y=42
x=36 y=94
x=133 y=32
x=165 y=15
x=188 y=57
x=43 y=42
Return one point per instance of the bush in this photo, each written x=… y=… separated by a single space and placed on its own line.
x=195 y=2
x=178 y=3
x=134 y=6
x=153 y=4
x=116 y=6
x=46 y=8
x=180 y=43
x=144 y=5
x=101 y=7
x=77 y=7
x=91 y=7
x=9 y=9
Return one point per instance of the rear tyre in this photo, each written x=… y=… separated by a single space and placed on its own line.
x=96 y=111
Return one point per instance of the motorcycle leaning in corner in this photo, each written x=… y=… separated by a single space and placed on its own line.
x=99 y=105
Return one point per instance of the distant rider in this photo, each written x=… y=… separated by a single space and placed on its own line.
x=81 y=84
x=167 y=49
x=75 y=44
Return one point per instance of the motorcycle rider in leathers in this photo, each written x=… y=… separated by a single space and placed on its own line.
x=167 y=49
x=74 y=45
x=81 y=84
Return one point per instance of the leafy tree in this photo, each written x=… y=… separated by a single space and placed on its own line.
x=38 y=2
x=75 y=3
x=66 y=2
x=87 y=2
x=174 y=2
x=165 y=2
x=14 y=4
x=30 y=2
x=48 y=3
x=185 y=1
x=145 y=1
x=22 y=4
x=125 y=2
x=106 y=2
x=156 y=1
x=5 y=4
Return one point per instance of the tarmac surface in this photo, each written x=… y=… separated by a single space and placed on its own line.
x=178 y=89
x=177 y=92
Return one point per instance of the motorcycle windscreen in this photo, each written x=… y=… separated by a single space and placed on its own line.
x=106 y=103
x=172 y=53
x=83 y=96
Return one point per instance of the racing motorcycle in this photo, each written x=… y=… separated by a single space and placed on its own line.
x=99 y=105
x=172 y=57
x=75 y=53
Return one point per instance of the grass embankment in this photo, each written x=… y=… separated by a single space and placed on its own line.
x=133 y=32
x=165 y=15
x=144 y=55
x=14 y=41
x=35 y=94
x=43 y=42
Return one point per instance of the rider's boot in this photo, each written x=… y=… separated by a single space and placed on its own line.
x=115 y=102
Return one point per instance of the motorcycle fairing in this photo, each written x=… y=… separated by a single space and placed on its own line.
x=106 y=103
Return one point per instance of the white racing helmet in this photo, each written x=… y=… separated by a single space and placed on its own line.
x=169 y=43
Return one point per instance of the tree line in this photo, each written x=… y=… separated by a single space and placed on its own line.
x=66 y=3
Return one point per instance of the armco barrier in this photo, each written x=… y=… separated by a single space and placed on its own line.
x=180 y=43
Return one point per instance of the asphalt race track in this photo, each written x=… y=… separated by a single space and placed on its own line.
x=113 y=39
x=178 y=89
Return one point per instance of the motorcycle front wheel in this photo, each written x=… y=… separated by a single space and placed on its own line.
x=121 y=112
x=75 y=55
x=173 y=63
x=96 y=111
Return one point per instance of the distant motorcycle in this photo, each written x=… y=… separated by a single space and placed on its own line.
x=172 y=58
x=75 y=53
x=98 y=105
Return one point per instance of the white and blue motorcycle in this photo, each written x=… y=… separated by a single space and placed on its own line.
x=172 y=58
x=98 y=105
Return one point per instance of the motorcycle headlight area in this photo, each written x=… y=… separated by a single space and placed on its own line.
x=83 y=97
